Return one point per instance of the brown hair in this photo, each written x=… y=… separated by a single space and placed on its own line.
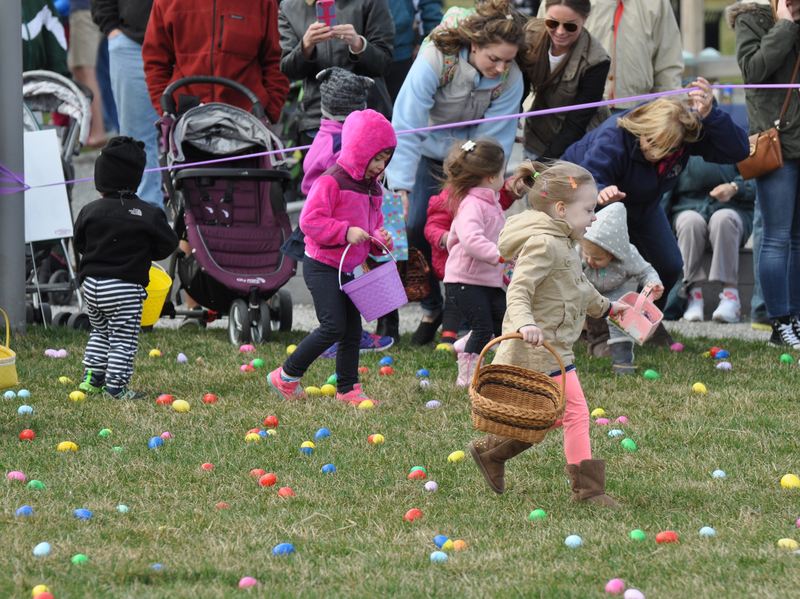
x=548 y=185
x=465 y=169
x=489 y=25
x=668 y=120
x=534 y=57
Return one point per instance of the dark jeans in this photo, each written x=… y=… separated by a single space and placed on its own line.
x=484 y=309
x=758 y=309
x=339 y=321
x=397 y=74
x=451 y=320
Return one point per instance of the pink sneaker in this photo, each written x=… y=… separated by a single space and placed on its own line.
x=288 y=391
x=355 y=397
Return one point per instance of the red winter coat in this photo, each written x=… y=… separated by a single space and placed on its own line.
x=226 y=38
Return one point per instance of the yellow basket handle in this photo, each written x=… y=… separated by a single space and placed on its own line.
x=158 y=266
x=546 y=345
x=8 y=328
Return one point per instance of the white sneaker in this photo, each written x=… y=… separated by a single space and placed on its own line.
x=694 y=311
x=728 y=309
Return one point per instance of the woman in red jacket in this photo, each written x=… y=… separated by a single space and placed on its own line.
x=224 y=38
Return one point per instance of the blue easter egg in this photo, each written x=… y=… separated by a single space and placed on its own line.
x=9 y=395
x=263 y=433
x=423 y=372
x=386 y=361
x=158 y=567
x=307 y=450
x=573 y=541
x=438 y=557
x=24 y=410
x=440 y=540
x=24 y=394
x=83 y=514
x=25 y=510
x=718 y=474
x=41 y=549
x=283 y=549
x=155 y=442
x=321 y=433
x=615 y=433
x=707 y=531
x=722 y=354
x=329 y=469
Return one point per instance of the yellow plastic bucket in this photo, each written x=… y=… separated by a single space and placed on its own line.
x=157 y=290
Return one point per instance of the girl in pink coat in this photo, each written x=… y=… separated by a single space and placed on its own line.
x=473 y=273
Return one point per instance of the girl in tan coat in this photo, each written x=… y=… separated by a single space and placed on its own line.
x=548 y=300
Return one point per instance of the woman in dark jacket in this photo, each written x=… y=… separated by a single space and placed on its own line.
x=767 y=46
x=636 y=158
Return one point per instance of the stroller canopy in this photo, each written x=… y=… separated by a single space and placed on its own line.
x=46 y=91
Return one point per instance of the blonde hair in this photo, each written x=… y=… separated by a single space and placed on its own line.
x=667 y=120
x=548 y=185
x=465 y=169
x=494 y=22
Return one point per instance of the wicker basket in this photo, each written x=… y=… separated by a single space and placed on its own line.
x=8 y=361
x=515 y=402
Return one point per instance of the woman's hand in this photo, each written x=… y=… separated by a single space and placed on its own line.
x=618 y=308
x=610 y=194
x=701 y=100
x=443 y=241
x=532 y=335
x=356 y=235
x=404 y=199
x=347 y=34
x=723 y=192
x=114 y=32
x=656 y=291
x=788 y=9
x=316 y=33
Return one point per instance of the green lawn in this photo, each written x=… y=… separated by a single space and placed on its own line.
x=347 y=528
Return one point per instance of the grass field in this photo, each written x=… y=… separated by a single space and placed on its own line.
x=347 y=528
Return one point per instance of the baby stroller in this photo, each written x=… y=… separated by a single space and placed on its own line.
x=233 y=212
x=49 y=271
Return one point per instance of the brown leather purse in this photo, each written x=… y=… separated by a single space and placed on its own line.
x=765 y=148
x=414 y=272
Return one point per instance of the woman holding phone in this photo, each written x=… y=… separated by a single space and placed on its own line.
x=356 y=35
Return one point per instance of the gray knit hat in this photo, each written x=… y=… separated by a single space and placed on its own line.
x=610 y=231
x=342 y=92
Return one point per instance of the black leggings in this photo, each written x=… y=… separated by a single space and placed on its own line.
x=484 y=309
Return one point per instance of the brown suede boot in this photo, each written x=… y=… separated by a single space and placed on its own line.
x=661 y=337
x=588 y=482
x=490 y=454
x=597 y=335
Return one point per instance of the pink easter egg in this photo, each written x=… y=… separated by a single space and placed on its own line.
x=621 y=420
x=62 y=353
x=798 y=522
x=602 y=421
x=243 y=367
x=633 y=594
x=50 y=353
x=167 y=435
x=676 y=347
x=246 y=348
x=247 y=582
x=14 y=475
x=615 y=586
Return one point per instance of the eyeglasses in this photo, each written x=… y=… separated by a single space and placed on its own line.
x=553 y=24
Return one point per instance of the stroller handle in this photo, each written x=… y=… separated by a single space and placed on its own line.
x=168 y=104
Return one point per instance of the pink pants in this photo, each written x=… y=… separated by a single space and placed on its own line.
x=575 y=421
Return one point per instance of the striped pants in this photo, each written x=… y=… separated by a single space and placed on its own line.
x=115 y=312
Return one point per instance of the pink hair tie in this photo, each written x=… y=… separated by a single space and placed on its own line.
x=544 y=188
x=574 y=185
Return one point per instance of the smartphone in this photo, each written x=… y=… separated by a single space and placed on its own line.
x=326 y=12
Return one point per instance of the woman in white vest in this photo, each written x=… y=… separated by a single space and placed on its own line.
x=466 y=72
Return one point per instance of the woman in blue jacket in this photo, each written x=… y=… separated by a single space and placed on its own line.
x=636 y=158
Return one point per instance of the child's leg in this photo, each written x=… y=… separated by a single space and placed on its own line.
x=348 y=352
x=474 y=302
x=95 y=356
x=498 y=306
x=575 y=421
x=451 y=320
x=123 y=307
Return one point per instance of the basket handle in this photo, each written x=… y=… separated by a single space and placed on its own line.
x=502 y=338
x=8 y=328
x=158 y=266
x=349 y=245
x=648 y=289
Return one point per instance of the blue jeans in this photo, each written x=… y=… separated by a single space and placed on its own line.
x=758 y=310
x=425 y=186
x=137 y=117
x=778 y=195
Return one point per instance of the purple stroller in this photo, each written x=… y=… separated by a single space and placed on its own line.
x=233 y=213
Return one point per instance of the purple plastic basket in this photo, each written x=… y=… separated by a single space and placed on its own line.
x=376 y=292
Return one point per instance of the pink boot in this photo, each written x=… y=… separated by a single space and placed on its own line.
x=463 y=370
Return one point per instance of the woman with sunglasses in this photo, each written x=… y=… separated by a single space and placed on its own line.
x=566 y=65
x=636 y=158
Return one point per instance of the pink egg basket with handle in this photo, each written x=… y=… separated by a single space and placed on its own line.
x=639 y=322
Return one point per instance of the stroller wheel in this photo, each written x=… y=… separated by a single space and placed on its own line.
x=238 y=322
x=29 y=313
x=43 y=313
x=263 y=332
x=61 y=319
x=281 y=310
x=80 y=322
x=60 y=298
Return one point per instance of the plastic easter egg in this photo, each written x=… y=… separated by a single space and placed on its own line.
x=615 y=432
x=433 y=404
x=308 y=444
x=415 y=468
x=313 y=391
x=438 y=557
x=363 y=370
x=77 y=396
x=332 y=379
x=36 y=485
x=423 y=372
x=258 y=472
x=443 y=347
x=83 y=514
x=366 y=405
x=165 y=399
x=155 y=442
x=633 y=594
x=424 y=383
x=721 y=354
x=283 y=549
x=268 y=480
x=788 y=544
x=431 y=486
x=106 y=432
x=166 y=435
x=413 y=514
x=573 y=541
x=62 y=353
x=602 y=421
x=9 y=395
x=386 y=361
x=27 y=435
x=459 y=545
x=416 y=475
x=247 y=347
x=209 y=398
x=39 y=588
x=714 y=350
x=246 y=368
x=628 y=444
x=615 y=586
x=155 y=353
x=118 y=449
x=718 y=474
x=636 y=535
x=785 y=359
x=25 y=510
x=699 y=388
x=24 y=410
x=707 y=531
x=290 y=349
x=272 y=432
x=676 y=347
x=598 y=413
x=252 y=437
x=456 y=456
x=182 y=359
x=322 y=433
x=123 y=509
x=724 y=366
x=328 y=390
x=790 y=481
x=329 y=469
x=24 y=394
x=207 y=466
x=257 y=363
x=67 y=446
x=271 y=421
x=440 y=540
x=386 y=370
x=247 y=582
x=50 y=353
x=622 y=420
x=666 y=537
x=651 y=375
x=158 y=567
x=307 y=450
x=65 y=380
x=41 y=550
x=180 y=405
x=537 y=515
x=285 y=492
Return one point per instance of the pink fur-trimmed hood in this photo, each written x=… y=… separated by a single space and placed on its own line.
x=365 y=134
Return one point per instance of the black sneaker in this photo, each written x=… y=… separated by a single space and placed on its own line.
x=122 y=393
x=426 y=331
x=795 y=320
x=93 y=381
x=784 y=334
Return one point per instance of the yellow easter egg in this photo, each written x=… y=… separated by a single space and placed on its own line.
x=328 y=390
x=312 y=390
x=77 y=396
x=443 y=347
x=366 y=405
x=272 y=432
x=699 y=388
x=39 y=588
x=308 y=444
x=64 y=380
x=456 y=456
x=598 y=413
x=180 y=405
x=788 y=544
x=290 y=350
x=448 y=545
x=155 y=353
x=790 y=481
x=252 y=437
x=67 y=446
x=378 y=439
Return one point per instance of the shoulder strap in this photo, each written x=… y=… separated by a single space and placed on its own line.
x=789 y=92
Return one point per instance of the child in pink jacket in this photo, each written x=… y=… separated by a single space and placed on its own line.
x=343 y=207
x=473 y=273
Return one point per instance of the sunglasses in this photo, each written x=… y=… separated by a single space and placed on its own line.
x=553 y=24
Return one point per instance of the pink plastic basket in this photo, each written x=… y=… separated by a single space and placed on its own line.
x=378 y=291
x=642 y=318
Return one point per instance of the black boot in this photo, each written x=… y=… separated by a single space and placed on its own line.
x=389 y=326
x=622 y=357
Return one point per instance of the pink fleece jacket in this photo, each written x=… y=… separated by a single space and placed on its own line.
x=322 y=154
x=472 y=242
x=342 y=198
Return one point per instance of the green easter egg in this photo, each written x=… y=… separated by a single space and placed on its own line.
x=118 y=449
x=786 y=359
x=651 y=375
x=104 y=433
x=79 y=558
x=36 y=484
x=628 y=444
x=332 y=379
x=636 y=535
x=258 y=363
x=419 y=468
x=537 y=515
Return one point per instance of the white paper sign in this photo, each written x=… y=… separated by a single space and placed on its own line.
x=47 y=214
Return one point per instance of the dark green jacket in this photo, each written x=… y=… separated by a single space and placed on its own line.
x=44 y=45
x=697 y=180
x=767 y=52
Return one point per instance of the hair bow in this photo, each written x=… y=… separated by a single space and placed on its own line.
x=468 y=146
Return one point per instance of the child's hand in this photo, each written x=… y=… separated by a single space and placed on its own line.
x=618 y=308
x=387 y=237
x=610 y=194
x=443 y=242
x=356 y=235
x=532 y=335
x=657 y=291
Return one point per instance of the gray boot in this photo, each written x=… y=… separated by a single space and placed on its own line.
x=622 y=357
